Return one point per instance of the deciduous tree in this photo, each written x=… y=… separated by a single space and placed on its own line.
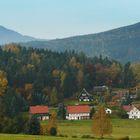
x=52 y=124
x=101 y=123
x=3 y=82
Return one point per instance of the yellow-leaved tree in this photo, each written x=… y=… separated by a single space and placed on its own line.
x=35 y=58
x=12 y=48
x=62 y=77
x=52 y=124
x=101 y=123
x=3 y=82
x=28 y=90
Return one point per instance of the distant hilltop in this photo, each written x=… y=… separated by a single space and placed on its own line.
x=8 y=36
x=122 y=44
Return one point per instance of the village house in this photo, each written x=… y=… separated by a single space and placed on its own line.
x=79 y=112
x=113 y=104
x=42 y=112
x=85 y=96
x=134 y=92
x=108 y=111
x=122 y=94
x=100 y=89
x=132 y=111
x=119 y=97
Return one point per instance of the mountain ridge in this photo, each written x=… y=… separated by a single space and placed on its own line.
x=122 y=44
x=11 y=36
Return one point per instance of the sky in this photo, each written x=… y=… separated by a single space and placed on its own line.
x=50 y=19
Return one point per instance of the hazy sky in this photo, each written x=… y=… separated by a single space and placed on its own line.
x=62 y=18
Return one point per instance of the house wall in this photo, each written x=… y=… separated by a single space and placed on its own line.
x=108 y=111
x=134 y=114
x=85 y=100
x=42 y=117
x=78 y=116
x=45 y=118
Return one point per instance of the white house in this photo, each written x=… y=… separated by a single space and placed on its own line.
x=85 y=96
x=132 y=111
x=108 y=111
x=79 y=112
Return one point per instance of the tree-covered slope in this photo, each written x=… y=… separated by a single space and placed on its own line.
x=122 y=44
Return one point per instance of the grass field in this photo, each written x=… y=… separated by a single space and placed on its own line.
x=121 y=128
x=75 y=102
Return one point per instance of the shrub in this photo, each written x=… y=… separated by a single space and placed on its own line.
x=53 y=131
x=61 y=135
x=124 y=138
x=74 y=136
x=86 y=136
x=33 y=126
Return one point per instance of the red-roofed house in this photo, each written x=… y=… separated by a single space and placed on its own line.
x=42 y=112
x=127 y=108
x=132 y=111
x=78 y=112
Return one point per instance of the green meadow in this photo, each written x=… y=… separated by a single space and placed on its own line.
x=121 y=128
x=72 y=129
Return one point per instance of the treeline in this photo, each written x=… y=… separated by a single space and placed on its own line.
x=41 y=76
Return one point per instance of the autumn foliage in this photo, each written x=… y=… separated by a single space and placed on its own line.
x=101 y=123
x=3 y=82
x=52 y=124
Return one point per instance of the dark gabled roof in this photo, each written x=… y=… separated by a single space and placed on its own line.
x=85 y=92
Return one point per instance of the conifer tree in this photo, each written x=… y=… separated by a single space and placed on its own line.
x=33 y=126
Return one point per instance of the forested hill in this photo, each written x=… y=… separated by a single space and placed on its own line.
x=122 y=44
x=43 y=77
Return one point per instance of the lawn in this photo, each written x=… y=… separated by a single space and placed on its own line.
x=126 y=127
x=121 y=128
x=75 y=102
x=29 y=137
